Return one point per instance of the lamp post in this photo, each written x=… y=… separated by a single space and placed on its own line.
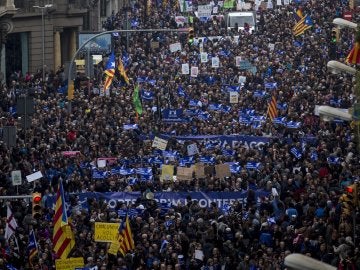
x=42 y=8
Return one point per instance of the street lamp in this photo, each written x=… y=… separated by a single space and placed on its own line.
x=43 y=38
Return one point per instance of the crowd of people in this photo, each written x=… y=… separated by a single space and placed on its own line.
x=303 y=167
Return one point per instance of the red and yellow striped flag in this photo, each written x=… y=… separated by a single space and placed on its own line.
x=272 y=109
x=123 y=72
x=354 y=55
x=63 y=237
x=125 y=237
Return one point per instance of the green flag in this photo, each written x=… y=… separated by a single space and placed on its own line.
x=136 y=100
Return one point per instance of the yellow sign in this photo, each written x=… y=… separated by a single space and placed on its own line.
x=167 y=173
x=106 y=232
x=114 y=247
x=69 y=264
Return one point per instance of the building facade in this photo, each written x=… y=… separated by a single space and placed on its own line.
x=45 y=32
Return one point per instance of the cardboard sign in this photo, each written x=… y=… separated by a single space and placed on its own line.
x=234 y=97
x=199 y=169
x=106 y=232
x=69 y=264
x=155 y=44
x=159 y=143
x=184 y=173
x=185 y=69
x=222 y=170
x=167 y=173
x=16 y=178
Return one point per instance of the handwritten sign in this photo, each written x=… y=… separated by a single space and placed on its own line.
x=69 y=264
x=174 y=47
x=106 y=232
x=159 y=143
x=204 y=57
x=215 y=62
x=194 y=71
x=167 y=172
x=185 y=69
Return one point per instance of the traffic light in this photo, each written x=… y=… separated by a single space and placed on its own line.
x=36 y=205
x=191 y=35
x=349 y=199
x=334 y=35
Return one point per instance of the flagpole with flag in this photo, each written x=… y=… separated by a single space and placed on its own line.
x=109 y=72
x=63 y=237
x=11 y=224
x=32 y=247
x=272 y=111
x=302 y=25
x=125 y=241
x=137 y=101
x=122 y=71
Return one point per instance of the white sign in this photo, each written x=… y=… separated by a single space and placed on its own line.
x=234 y=97
x=204 y=57
x=215 y=62
x=16 y=178
x=286 y=2
x=192 y=149
x=204 y=11
x=185 y=69
x=174 y=47
x=237 y=61
x=34 y=176
x=194 y=71
x=215 y=10
x=159 y=143
x=271 y=46
x=270 y=4
x=101 y=163
x=181 y=20
x=278 y=2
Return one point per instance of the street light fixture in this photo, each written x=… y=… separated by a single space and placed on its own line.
x=344 y=23
x=43 y=38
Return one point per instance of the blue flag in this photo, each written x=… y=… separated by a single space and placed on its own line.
x=296 y=152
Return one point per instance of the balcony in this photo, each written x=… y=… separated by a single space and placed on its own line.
x=7 y=8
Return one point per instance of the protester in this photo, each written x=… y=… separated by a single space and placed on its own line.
x=300 y=163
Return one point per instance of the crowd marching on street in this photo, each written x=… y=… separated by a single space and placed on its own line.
x=206 y=151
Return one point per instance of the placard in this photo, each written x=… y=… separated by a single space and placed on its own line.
x=69 y=264
x=234 y=97
x=237 y=61
x=174 y=47
x=185 y=69
x=167 y=173
x=278 y=3
x=194 y=71
x=199 y=169
x=101 y=163
x=34 y=176
x=222 y=170
x=203 y=57
x=215 y=62
x=155 y=44
x=106 y=232
x=16 y=178
x=271 y=46
x=204 y=11
x=114 y=248
x=184 y=173
x=159 y=143
x=192 y=149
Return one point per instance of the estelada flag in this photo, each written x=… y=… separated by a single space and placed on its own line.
x=354 y=55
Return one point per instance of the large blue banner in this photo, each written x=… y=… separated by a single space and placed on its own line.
x=175 y=198
x=227 y=140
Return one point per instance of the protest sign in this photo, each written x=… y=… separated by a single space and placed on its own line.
x=222 y=170
x=199 y=170
x=69 y=264
x=167 y=172
x=106 y=232
x=184 y=173
x=159 y=143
